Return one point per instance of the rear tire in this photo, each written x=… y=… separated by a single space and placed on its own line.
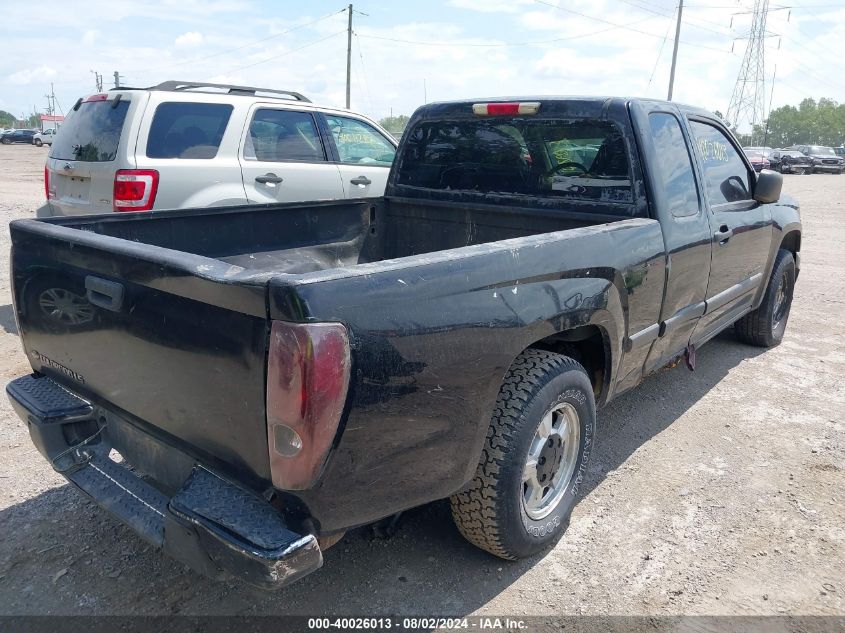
x=542 y=432
x=765 y=326
x=38 y=142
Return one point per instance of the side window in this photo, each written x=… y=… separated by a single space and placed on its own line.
x=283 y=135
x=360 y=143
x=187 y=130
x=674 y=164
x=725 y=173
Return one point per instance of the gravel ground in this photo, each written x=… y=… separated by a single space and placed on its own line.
x=713 y=492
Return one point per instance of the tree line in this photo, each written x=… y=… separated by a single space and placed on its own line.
x=811 y=123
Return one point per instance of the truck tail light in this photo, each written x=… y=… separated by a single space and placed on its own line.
x=506 y=109
x=135 y=189
x=307 y=381
x=46 y=182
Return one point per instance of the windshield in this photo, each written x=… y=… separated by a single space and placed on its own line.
x=821 y=151
x=92 y=133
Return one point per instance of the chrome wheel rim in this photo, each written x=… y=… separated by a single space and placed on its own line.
x=65 y=306
x=551 y=460
x=781 y=301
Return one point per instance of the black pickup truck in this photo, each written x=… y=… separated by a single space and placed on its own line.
x=241 y=385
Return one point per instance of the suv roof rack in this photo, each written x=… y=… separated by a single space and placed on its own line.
x=177 y=86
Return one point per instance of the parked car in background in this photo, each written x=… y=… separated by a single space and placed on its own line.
x=824 y=159
x=44 y=138
x=790 y=161
x=757 y=160
x=765 y=152
x=17 y=136
x=840 y=151
x=182 y=144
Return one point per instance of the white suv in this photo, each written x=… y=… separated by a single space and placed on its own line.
x=185 y=144
x=44 y=138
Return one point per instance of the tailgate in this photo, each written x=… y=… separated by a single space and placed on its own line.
x=175 y=342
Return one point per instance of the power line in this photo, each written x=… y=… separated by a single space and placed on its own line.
x=659 y=53
x=688 y=21
x=499 y=44
x=626 y=27
x=268 y=59
x=239 y=48
x=364 y=73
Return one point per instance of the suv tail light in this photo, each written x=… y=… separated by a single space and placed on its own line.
x=135 y=189
x=307 y=381
x=46 y=182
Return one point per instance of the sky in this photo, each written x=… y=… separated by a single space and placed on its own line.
x=408 y=53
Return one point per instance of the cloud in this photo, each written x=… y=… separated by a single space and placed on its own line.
x=29 y=75
x=191 y=38
x=89 y=38
x=490 y=6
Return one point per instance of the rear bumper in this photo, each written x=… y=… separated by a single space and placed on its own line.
x=216 y=527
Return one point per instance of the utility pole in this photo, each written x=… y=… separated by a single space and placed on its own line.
x=349 y=60
x=675 y=49
x=116 y=79
x=98 y=81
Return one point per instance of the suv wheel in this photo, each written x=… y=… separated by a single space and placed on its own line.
x=38 y=142
x=534 y=459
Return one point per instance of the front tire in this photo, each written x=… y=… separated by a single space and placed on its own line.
x=38 y=142
x=534 y=458
x=765 y=326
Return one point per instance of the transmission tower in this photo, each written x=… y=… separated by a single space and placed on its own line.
x=747 y=104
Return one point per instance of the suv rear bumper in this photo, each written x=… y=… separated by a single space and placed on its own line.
x=214 y=526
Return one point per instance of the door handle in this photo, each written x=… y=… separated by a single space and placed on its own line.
x=104 y=293
x=269 y=179
x=723 y=234
x=361 y=180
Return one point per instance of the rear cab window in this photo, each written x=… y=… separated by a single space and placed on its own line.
x=187 y=130
x=577 y=160
x=92 y=132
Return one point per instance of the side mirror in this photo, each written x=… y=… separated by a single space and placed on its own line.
x=768 y=186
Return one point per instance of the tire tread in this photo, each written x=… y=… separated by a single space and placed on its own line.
x=474 y=509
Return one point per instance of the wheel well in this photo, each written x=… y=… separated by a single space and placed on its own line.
x=586 y=344
x=792 y=242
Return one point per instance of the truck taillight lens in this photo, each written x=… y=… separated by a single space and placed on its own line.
x=135 y=189
x=46 y=182
x=307 y=381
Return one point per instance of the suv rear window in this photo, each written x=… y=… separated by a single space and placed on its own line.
x=92 y=133
x=187 y=130
x=573 y=159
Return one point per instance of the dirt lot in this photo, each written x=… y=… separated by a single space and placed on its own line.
x=713 y=492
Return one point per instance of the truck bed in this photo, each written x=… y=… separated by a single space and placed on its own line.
x=302 y=238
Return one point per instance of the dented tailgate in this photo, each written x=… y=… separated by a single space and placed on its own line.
x=174 y=340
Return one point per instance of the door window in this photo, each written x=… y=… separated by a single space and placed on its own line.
x=187 y=130
x=725 y=173
x=359 y=143
x=283 y=135
x=674 y=164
